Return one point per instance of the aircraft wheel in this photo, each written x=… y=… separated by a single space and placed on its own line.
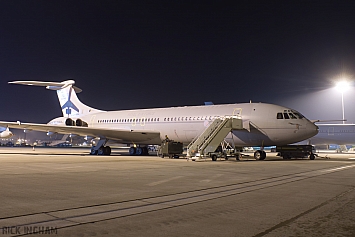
x=139 y=151
x=132 y=151
x=214 y=157
x=93 y=151
x=101 y=151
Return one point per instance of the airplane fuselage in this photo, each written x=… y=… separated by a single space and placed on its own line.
x=261 y=127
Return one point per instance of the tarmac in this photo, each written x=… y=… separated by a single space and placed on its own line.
x=67 y=192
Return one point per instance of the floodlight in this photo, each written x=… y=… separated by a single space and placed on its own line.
x=342 y=86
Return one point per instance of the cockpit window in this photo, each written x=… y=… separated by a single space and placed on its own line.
x=280 y=116
x=286 y=116
x=300 y=116
x=292 y=116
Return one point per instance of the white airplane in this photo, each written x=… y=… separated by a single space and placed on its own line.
x=6 y=133
x=263 y=124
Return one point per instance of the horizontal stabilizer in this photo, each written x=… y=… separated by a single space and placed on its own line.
x=49 y=85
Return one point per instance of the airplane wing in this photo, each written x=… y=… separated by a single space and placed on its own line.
x=113 y=134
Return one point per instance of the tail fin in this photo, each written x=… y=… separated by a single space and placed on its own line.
x=71 y=106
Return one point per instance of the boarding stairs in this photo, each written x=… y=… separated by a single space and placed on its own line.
x=213 y=135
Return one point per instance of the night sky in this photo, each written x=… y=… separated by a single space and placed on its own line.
x=146 y=54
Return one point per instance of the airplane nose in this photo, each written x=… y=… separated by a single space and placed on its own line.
x=312 y=128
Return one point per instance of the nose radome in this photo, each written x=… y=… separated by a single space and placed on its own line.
x=312 y=128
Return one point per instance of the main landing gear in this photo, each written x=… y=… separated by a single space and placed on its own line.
x=101 y=149
x=259 y=155
x=138 y=151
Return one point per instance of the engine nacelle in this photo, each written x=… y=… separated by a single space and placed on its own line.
x=69 y=122
x=81 y=123
x=63 y=121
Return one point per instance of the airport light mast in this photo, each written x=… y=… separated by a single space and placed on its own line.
x=342 y=86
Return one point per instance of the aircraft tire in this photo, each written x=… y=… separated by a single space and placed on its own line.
x=139 y=151
x=101 y=151
x=132 y=151
x=93 y=151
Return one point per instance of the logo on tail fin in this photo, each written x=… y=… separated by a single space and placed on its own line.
x=69 y=105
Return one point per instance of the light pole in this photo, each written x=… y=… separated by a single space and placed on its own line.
x=342 y=86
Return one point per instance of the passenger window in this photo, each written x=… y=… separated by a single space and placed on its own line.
x=279 y=116
x=286 y=116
